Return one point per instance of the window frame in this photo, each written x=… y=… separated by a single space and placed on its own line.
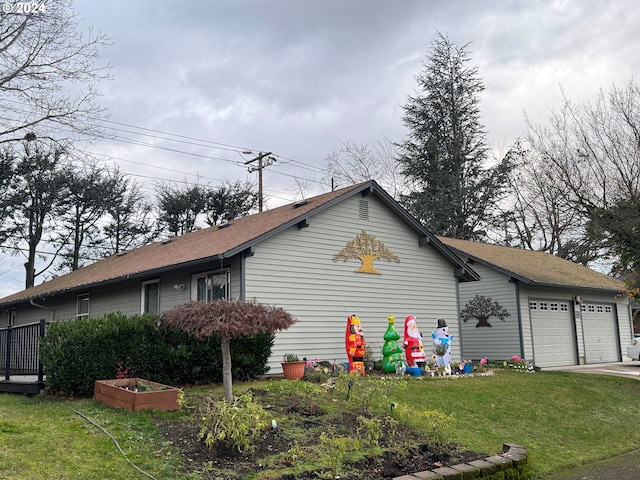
x=79 y=298
x=143 y=295
x=212 y=273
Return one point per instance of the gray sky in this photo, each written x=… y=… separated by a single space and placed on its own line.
x=295 y=77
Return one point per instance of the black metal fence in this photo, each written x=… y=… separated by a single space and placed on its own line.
x=19 y=349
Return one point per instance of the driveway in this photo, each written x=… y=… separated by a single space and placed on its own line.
x=629 y=369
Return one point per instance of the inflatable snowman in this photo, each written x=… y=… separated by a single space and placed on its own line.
x=442 y=345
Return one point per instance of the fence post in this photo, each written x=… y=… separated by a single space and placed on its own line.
x=7 y=366
x=43 y=324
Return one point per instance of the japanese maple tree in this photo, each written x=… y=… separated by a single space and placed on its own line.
x=227 y=319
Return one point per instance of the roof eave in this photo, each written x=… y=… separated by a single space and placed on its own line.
x=370 y=187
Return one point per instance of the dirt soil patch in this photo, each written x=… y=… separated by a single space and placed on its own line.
x=225 y=464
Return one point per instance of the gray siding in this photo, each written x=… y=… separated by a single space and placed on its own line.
x=295 y=270
x=124 y=297
x=502 y=339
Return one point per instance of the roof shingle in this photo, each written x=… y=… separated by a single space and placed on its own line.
x=535 y=267
x=182 y=250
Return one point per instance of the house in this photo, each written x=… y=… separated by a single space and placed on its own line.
x=351 y=251
x=561 y=313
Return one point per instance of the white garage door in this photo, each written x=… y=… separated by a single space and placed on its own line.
x=599 y=329
x=553 y=334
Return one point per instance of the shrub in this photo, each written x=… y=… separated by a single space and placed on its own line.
x=238 y=424
x=77 y=352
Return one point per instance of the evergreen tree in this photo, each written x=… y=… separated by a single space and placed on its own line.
x=445 y=152
x=33 y=199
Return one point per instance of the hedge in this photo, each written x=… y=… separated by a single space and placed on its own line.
x=77 y=352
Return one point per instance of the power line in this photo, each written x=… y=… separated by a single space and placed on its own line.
x=185 y=139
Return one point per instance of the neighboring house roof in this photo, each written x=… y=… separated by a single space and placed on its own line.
x=537 y=268
x=218 y=243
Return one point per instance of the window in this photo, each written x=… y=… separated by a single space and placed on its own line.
x=544 y=306
x=82 y=306
x=591 y=308
x=211 y=286
x=150 y=296
x=554 y=307
x=607 y=308
x=599 y=308
x=533 y=306
x=564 y=307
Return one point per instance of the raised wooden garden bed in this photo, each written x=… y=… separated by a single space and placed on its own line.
x=136 y=394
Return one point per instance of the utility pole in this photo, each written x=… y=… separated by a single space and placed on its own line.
x=264 y=160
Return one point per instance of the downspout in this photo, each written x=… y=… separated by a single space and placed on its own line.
x=242 y=270
x=457 y=277
x=34 y=304
x=519 y=313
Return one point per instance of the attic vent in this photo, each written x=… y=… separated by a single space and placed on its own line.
x=299 y=203
x=363 y=210
x=224 y=225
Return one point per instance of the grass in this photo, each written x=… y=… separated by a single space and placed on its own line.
x=563 y=419
x=46 y=439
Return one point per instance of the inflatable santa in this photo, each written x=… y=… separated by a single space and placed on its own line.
x=413 y=347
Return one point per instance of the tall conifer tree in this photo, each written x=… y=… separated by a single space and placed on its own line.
x=445 y=152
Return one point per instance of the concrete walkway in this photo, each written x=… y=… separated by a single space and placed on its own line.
x=623 y=369
x=624 y=467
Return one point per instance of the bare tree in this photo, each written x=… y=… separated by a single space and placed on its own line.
x=540 y=217
x=586 y=158
x=354 y=163
x=48 y=72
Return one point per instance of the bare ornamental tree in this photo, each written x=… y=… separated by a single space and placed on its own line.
x=48 y=72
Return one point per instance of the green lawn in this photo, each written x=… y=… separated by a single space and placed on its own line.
x=563 y=419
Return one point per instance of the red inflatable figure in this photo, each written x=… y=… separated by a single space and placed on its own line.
x=413 y=347
x=354 y=343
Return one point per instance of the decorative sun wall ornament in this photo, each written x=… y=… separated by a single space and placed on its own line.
x=367 y=249
x=482 y=308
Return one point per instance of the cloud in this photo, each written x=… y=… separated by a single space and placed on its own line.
x=296 y=77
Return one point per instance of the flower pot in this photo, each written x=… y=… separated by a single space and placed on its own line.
x=293 y=370
x=136 y=394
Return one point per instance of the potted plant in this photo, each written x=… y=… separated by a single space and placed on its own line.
x=368 y=358
x=292 y=366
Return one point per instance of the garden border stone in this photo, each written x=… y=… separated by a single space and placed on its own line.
x=512 y=456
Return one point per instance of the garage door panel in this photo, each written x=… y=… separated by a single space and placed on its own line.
x=600 y=333
x=553 y=335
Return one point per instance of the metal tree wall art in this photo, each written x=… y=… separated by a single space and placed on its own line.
x=367 y=249
x=482 y=308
